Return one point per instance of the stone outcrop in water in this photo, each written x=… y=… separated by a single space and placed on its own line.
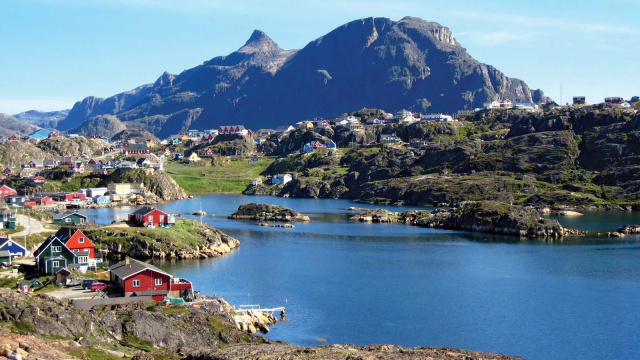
x=492 y=217
x=266 y=212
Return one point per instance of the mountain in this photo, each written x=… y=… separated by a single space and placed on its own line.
x=372 y=63
x=43 y=119
x=102 y=125
x=10 y=126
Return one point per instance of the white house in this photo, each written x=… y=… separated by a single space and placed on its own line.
x=389 y=139
x=281 y=179
x=284 y=129
x=257 y=181
x=437 y=117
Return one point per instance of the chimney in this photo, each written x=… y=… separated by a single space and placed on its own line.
x=9 y=237
x=127 y=261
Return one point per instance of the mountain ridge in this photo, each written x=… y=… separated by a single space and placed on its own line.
x=371 y=62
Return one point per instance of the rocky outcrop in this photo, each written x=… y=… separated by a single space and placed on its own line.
x=199 y=242
x=629 y=230
x=376 y=216
x=276 y=351
x=491 y=217
x=266 y=212
x=159 y=183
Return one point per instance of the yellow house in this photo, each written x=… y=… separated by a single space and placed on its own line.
x=119 y=188
x=115 y=197
x=184 y=138
x=137 y=188
x=151 y=143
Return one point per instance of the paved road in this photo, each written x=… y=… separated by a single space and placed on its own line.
x=31 y=226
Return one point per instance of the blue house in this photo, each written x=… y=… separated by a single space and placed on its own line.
x=331 y=145
x=307 y=148
x=12 y=247
x=40 y=134
x=101 y=199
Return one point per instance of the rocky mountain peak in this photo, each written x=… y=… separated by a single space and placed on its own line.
x=440 y=33
x=259 y=41
x=165 y=79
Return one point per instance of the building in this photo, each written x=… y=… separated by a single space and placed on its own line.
x=389 y=139
x=7 y=191
x=526 y=106
x=52 y=255
x=137 y=278
x=8 y=219
x=5 y=257
x=36 y=164
x=256 y=182
x=307 y=149
x=331 y=145
x=72 y=218
x=15 y=200
x=102 y=199
x=128 y=165
x=496 y=104
x=437 y=117
x=281 y=179
x=284 y=129
x=81 y=246
x=318 y=145
x=305 y=125
x=76 y=167
x=234 y=129
x=579 y=100
x=93 y=192
x=192 y=158
x=126 y=188
x=135 y=149
x=43 y=200
x=146 y=216
x=13 y=248
x=66 y=161
x=614 y=100
x=354 y=126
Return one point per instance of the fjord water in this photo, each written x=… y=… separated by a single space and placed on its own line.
x=364 y=284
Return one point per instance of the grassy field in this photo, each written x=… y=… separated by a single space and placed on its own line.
x=232 y=178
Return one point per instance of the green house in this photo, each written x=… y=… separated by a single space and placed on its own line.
x=70 y=218
x=52 y=255
x=8 y=219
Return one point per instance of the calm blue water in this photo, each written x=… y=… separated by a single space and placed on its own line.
x=365 y=284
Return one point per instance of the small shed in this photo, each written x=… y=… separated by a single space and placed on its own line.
x=61 y=276
x=25 y=287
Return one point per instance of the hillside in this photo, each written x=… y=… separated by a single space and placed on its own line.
x=101 y=125
x=45 y=119
x=584 y=157
x=10 y=126
x=15 y=153
x=373 y=63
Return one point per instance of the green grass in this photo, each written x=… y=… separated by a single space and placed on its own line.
x=22 y=328
x=93 y=354
x=175 y=310
x=232 y=178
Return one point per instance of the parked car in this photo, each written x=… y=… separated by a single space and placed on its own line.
x=86 y=283
x=101 y=286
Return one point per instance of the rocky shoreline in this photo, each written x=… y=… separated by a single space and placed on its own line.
x=44 y=327
x=266 y=212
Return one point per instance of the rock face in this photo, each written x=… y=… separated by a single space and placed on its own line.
x=10 y=126
x=48 y=119
x=492 y=217
x=374 y=62
x=157 y=182
x=266 y=212
x=375 y=216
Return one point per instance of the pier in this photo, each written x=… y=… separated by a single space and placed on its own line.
x=247 y=308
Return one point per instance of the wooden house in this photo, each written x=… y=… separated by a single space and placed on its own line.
x=146 y=216
x=7 y=191
x=52 y=255
x=137 y=278
x=70 y=218
x=8 y=219
x=14 y=248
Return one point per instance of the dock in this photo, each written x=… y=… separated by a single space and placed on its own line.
x=255 y=307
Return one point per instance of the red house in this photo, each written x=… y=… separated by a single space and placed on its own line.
x=7 y=191
x=39 y=179
x=150 y=216
x=44 y=200
x=13 y=138
x=69 y=196
x=135 y=149
x=136 y=278
x=79 y=243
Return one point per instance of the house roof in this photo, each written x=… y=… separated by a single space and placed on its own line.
x=65 y=214
x=65 y=233
x=4 y=241
x=7 y=211
x=145 y=210
x=48 y=243
x=138 y=147
x=63 y=270
x=124 y=270
x=36 y=161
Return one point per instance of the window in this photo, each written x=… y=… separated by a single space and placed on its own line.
x=161 y=218
x=67 y=220
x=135 y=283
x=56 y=248
x=55 y=264
x=158 y=282
x=150 y=219
x=80 y=240
x=83 y=259
x=9 y=243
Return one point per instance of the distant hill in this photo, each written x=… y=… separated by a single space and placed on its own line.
x=43 y=119
x=102 y=125
x=369 y=63
x=10 y=126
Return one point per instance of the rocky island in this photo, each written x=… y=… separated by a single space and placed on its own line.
x=486 y=216
x=188 y=239
x=266 y=212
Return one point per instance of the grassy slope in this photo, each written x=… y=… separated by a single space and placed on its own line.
x=231 y=178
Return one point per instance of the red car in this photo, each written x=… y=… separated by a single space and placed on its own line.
x=101 y=286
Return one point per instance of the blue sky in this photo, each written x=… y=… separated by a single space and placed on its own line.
x=55 y=52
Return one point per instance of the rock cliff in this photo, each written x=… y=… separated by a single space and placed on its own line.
x=266 y=212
